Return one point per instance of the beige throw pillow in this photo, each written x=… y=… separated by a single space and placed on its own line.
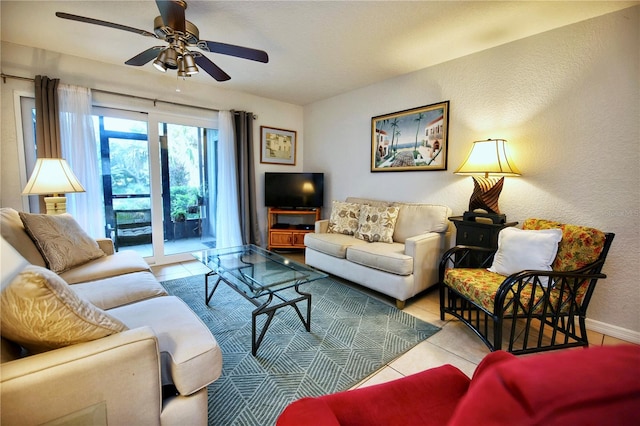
x=41 y=312
x=61 y=241
x=376 y=223
x=344 y=217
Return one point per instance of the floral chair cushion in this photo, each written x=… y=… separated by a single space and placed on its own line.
x=480 y=286
x=579 y=246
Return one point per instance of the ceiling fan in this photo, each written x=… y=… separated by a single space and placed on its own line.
x=172 y=27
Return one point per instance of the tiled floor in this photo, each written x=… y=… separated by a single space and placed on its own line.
x=455 y=344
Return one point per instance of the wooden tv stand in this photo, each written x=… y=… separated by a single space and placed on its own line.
x=289 y=235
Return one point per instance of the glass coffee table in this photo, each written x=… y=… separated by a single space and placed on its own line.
x=256 y=273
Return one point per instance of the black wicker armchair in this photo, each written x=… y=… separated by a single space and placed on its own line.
x=535 y=310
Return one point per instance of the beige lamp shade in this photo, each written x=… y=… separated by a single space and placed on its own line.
x=485 y=158
x=52 y=176
x=489 y=157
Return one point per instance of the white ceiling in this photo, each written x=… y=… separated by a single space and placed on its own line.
x=317 y=49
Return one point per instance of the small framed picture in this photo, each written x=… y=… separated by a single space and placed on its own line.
x=414 y=139
x=277 y=146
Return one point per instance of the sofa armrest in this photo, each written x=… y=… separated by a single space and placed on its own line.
x=106 y=245
x=425 y=249
x=322 y=226
x=116 y=377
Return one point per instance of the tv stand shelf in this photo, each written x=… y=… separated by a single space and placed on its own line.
x=286 y=234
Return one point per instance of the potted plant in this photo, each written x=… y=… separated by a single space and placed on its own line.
x=179 y=217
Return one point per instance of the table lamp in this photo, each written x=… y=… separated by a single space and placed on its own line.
x=487 y=157
x=53 y=176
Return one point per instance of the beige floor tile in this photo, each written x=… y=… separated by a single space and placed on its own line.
x=196 y=267
x=427 y=301
x=170 y=272
x=595 y=338
x=608 y=341
x=426 y=355
x=424 y=315
x=457 y=338
x=384 y=375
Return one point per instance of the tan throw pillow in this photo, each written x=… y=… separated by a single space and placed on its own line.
x=61 y=241
x=376 y=224
x=344 y=217
x=41 y=312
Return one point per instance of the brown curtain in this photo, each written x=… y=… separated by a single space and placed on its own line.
x=47 y=118
x=249 y=226
x=47 y=122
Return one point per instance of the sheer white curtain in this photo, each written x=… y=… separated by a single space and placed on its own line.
x=79 y=149
x=227 y=218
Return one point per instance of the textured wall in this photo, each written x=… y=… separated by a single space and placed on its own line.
x=568 y=102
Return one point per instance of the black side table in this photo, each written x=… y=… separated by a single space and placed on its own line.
x=480 y=234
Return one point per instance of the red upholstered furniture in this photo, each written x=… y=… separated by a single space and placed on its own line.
x=595 y=386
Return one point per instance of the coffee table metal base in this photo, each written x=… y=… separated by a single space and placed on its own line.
x=264 y=308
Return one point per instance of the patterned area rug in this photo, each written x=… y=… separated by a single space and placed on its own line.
x=352 y=335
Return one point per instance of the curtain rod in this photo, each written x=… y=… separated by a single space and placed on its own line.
x=15 y=77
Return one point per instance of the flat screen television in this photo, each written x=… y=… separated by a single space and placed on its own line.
x=293 y=190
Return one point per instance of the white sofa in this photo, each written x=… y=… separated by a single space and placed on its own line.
x=155 y=372
x=400 y=269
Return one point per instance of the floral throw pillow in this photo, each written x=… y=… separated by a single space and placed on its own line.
x=376 y=223
x=344 y=217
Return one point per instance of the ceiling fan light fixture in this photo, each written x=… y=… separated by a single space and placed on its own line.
x=171 y=58
x=189 y=64
x=181 y=71
x=159 y=63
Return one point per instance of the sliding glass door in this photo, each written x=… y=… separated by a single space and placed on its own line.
x=158 y=174
x=187 y=159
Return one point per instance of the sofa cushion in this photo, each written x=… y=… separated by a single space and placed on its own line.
x=596 y=386
x=417 y=219
x=190 y=355
x=344 y=217
x=13 y=231
x=427 y=398
x=121 y=290
x=520 y=250
x=41 y=312
x=122 y=262
x=61 y=240
x=332 y=244
x=377 y=203
x=377 y=223
x=383 y=256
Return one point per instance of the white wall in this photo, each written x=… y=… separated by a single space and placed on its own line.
x=28 y=62
x=568 y=102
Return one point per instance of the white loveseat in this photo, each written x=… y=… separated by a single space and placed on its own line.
x=400 y=268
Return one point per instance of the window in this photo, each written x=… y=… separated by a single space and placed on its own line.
x=159 y=199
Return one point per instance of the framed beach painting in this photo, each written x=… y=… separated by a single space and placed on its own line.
x=414 y=139
x=277 y=146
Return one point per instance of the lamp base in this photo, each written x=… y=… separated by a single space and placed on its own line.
x=56 y=205
x=486 y=192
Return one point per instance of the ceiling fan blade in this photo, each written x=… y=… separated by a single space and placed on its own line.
x=172 y=13
x=212 y=69
x=104 y=24
x=144 y=57
x=233 y=50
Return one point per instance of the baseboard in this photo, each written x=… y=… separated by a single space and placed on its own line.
x=613 y=331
